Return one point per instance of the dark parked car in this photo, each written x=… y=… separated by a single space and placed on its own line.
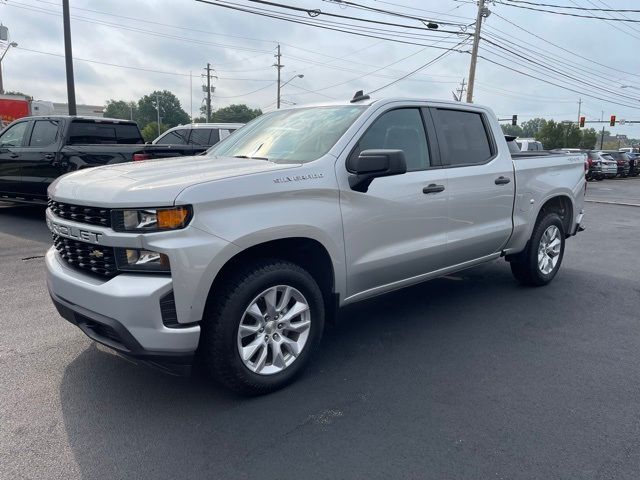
x=623 y=161
x=634 y=163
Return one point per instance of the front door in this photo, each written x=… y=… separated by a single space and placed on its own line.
x=481 y=185
x=397 y=229
x=11 y=147
x=40 y=164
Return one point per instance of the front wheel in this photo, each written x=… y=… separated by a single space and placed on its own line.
x=261 y=327
x=541 y=259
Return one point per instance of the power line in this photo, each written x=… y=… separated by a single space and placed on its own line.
x=563 y=48
x=317 y=12
x=617 y=10
x=555 y=84
x=431 y=62
x=130 y=67
x=359 y=6
x=558 y=72
x=566 y=13
x=248 y=93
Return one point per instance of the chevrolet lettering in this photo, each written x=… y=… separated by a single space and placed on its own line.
x=75 y=233
x=236 y=258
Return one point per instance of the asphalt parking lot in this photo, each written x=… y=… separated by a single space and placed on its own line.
x=466 y=377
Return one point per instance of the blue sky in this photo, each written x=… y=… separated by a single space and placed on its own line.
x=166 y=40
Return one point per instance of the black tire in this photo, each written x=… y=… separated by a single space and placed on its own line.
x=524 y=266
x=218 y=342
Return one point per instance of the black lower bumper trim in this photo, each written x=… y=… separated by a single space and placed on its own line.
x=113 y=334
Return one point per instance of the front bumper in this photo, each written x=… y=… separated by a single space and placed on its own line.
x=122 y=312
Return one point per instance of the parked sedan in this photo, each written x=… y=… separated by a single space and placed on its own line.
x=621 y=159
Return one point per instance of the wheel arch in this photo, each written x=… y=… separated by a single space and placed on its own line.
x=307 y=252
x=562 y=204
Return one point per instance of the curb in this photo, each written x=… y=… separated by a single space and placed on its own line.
x=608 y=202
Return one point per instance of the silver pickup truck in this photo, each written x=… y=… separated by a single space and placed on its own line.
x=238 y=257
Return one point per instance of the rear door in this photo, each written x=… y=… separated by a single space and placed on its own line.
x=40 y=163
x=480 y=184
x=12 y=141
x=201 y=139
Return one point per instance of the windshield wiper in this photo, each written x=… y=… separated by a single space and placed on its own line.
x=252 y=158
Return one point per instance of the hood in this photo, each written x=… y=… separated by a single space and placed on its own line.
x=151 y=182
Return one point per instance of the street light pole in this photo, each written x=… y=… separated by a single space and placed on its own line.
x=12 y=44
x=158 y=109
x=290 y=80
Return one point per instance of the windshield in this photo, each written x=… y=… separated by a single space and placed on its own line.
x=290 y=136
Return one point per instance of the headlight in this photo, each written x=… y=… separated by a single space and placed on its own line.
x=150 y=219
x=135 y=260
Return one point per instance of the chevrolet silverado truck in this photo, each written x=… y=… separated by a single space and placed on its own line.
x=235 y=259
x=34 y=151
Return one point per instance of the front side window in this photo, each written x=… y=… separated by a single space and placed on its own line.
x=12 y=137
x=177 y=137
x=400 y=129
x=298 y=135
x=462 y=137
x=44 y=133
x=91 y=133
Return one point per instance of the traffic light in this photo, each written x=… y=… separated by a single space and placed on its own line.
x=514 y=120
x=612 y=121
x=582 y=119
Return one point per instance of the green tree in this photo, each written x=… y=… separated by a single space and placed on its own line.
x=121 y=109
x=589 y=138
x=237 y=113
x=509 y=129
x=14 y=92
x=551 y=134
x=171 y=112
x=533 y=126
x=150 y=131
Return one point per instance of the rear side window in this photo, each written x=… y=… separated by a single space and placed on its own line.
x=44 y=133
x=127 y=133
x=400 y=129
x=12 y=136
x=91 y=133
x=200 y=136
x=462 y=137
x=177 y=137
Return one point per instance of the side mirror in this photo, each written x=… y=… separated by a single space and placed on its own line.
x=372 y=164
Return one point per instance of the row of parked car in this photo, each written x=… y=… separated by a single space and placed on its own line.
x=610 y=164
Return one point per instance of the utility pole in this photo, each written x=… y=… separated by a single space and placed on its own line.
x=278 y=66
x=579 y=108
x=461 y=90
x=602 y=137
x=191 y=95
x=68 y=57
x=158 y=110
x=208 y=92
x=482 y=13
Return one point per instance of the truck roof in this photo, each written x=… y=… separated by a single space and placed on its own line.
x=81 y=117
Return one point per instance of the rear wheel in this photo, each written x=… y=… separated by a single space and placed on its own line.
x=261 y=327
x=541 y=259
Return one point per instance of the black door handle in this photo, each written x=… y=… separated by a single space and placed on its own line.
x=49 y=156
x=433 y=188
x=14 y=155
x=502 y=180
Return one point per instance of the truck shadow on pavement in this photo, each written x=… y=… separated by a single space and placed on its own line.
x=412 y=367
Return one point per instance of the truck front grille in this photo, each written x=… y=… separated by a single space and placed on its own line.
x=96 y=259
x=81 y=213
